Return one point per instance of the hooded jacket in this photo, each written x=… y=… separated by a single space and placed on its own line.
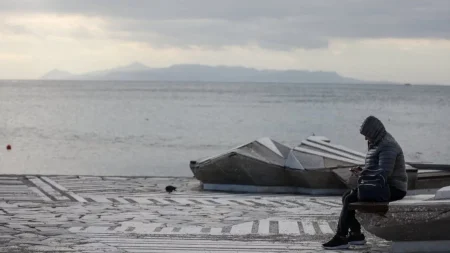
x=384 y=155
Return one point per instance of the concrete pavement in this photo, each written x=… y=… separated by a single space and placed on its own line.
x=120 y=214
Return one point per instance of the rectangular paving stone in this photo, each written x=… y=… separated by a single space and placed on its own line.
x=190 y=230
x=238 y=203
x=130 y=200
x=308 y=227
x=206 y=230
x=95 y=229
x=10 y=182
x=273 y=227
x=75 y=229
x=99 y=199
x=147 y=228
x=215 y=231
x=213 y=202
x=130 y=229
x=42 y=248
x=242 y=229
x=288 y=227
x=294 y=202
x=264 y=227
x=180 y=201
x=325 y=227
x=143 y=201
x=326 y=203
x=40 y=194
x=121 y=200
x=54 y=184
x=176 y=230
x=166 y=230
x=48 y=189
x=195 y=202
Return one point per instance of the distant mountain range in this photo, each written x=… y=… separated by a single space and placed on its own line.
x=192 y=72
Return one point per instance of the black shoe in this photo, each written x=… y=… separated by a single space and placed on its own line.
x=338 y=242
x=356 y=239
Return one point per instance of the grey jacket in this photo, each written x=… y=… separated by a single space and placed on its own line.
x=384 y=155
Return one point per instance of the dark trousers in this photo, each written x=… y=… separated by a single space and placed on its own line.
x=347 y=220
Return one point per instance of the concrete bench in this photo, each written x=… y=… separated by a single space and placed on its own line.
x=370 y=207
x=418 y=223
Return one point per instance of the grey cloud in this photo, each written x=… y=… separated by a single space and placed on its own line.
x=268 y=33
x=281 y=25
x=9 y=29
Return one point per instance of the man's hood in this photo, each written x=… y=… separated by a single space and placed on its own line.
x=373 y=129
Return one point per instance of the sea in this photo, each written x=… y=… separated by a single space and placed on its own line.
x=155 y=128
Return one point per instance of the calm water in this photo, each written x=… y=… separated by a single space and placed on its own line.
x=138 y=128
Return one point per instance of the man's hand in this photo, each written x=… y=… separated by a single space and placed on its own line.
x=356 y=170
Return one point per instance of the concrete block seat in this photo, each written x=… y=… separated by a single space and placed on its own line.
x=418 y=223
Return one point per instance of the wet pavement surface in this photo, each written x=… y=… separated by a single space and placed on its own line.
x=120 y=214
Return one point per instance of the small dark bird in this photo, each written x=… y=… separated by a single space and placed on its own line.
x=170 y=188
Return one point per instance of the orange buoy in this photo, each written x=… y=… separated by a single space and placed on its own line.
x=8 y=147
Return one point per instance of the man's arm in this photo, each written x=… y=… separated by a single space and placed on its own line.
x=386 y=159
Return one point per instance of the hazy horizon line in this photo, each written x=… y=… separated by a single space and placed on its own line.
x=230 y=82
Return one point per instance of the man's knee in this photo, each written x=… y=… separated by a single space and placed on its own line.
x=351 y=197
x=344 y=196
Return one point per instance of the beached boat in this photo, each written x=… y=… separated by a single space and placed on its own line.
x=259 y=163
x=316 y=166
x=265 y=165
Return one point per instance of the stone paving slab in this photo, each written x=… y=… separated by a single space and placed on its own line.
x=15 y=188
x=137 y=215
x=269 y=226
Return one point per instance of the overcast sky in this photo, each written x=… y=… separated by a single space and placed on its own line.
x=396 y=40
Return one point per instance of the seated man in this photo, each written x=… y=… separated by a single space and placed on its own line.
x=384 y=156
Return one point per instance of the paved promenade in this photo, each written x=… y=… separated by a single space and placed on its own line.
x=118 y=214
